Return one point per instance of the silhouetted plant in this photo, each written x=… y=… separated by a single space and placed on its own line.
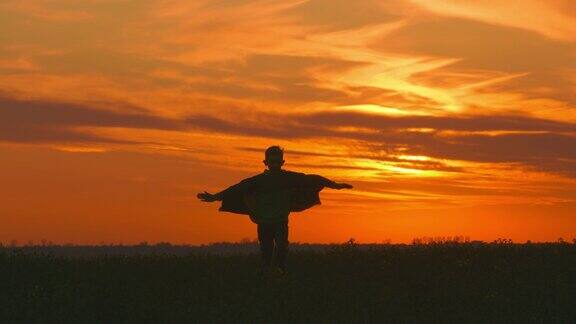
x=503 y=241
x=457 y=239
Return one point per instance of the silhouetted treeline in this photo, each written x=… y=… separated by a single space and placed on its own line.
x=246 y=246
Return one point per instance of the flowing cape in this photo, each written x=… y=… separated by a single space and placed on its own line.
x=305 y=192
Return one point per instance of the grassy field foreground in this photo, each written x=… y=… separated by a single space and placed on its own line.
x=342 y=284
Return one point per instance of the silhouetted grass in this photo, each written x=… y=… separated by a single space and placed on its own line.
x=343 y=284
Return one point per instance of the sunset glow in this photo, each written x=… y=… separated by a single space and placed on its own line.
x=449 y=117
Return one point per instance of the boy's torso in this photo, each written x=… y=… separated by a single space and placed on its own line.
x=272 y=197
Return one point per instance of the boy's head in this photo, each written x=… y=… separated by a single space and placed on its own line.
x=274 y=158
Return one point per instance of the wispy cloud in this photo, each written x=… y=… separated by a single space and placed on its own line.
x=554 y=17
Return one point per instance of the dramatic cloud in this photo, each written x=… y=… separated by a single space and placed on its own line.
x=34 y=121
x=535 y=142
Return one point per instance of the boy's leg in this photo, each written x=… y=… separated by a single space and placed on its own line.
x=266 y=239
x=281 y=240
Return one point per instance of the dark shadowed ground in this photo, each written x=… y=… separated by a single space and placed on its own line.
x=348 y=283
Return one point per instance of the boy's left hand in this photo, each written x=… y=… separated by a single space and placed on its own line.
x=205 y=196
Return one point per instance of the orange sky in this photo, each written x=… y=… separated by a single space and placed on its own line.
x=450 y=117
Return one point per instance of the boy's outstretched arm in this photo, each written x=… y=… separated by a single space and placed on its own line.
x=240 y=187
x=333 y=184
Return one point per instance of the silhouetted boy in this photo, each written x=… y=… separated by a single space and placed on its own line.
x=268 y=198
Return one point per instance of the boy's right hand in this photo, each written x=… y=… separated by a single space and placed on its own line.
x=343 y=186
x=205 y=196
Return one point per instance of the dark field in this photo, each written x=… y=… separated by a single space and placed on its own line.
x=349 y=283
